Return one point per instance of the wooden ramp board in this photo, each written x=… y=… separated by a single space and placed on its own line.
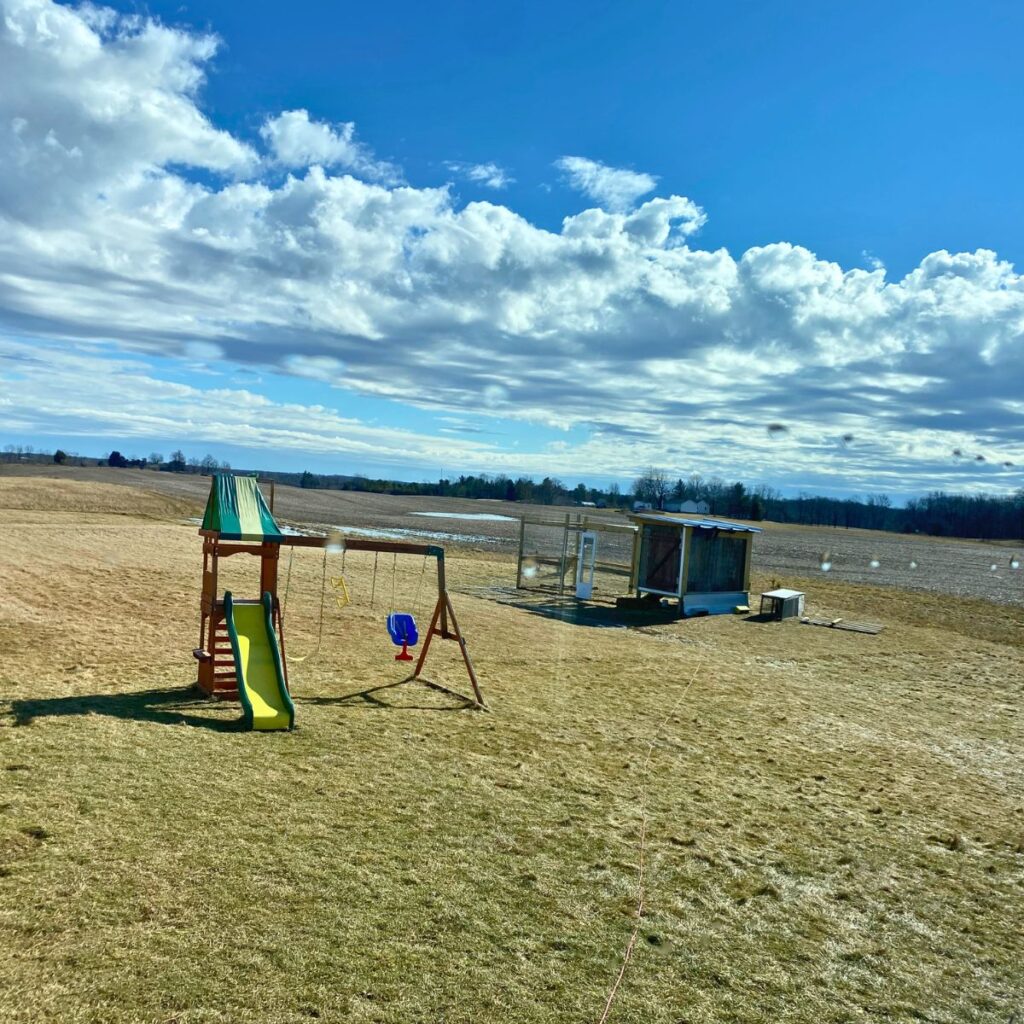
x=853 y=627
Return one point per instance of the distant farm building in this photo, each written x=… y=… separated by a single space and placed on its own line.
x=694 y=508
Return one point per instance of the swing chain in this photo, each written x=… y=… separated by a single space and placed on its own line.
x=320 y=630
x=419 y=586
x=323 y=590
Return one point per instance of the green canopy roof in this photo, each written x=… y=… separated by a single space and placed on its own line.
x=237 y=511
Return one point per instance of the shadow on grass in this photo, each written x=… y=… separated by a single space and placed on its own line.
x=599 y=616
x=370 y=698
x=600 y=612
x=168 y=707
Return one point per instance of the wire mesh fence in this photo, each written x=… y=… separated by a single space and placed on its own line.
x=549 y=555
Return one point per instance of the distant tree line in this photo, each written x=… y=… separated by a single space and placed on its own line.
x=30 y=454
x=984 y=516
x=549 y=491
x=988 y=517
x=178 y=463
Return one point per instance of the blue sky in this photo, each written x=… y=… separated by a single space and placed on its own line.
x=879 y=128
x=565 y=238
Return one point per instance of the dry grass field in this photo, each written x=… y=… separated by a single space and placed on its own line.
x=833 y=822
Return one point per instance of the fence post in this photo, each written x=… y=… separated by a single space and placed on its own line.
x=565 y=546
x=519 y=560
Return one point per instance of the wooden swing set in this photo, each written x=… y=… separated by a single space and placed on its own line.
x=238 y=522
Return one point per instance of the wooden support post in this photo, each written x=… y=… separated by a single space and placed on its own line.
x=208 y=615
x=442 y=589
x=270 y=553
x=465 y=652
x=431 y=630
x=634 y=572
x=561 y=564
x=684 y=569
x=519 y=560
x=271 y=497
x=204 y=608
x=746 y=561
x=444 y=606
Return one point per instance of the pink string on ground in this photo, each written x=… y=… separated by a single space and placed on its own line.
x=641 y=892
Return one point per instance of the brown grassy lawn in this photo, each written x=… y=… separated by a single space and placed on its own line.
x=835 y=821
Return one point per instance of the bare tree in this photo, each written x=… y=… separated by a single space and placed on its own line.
x=652 y=486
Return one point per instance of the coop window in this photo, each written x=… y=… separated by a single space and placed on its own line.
x=716 y=562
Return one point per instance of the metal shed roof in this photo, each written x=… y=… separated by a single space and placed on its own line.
x=697 y=524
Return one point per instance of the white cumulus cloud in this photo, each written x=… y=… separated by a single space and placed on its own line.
x=615 y=324
x=92 y=104
x=615 y=188
x=490 y=174
x=297 y=142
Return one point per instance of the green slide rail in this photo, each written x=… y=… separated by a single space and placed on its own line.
x=266 y=703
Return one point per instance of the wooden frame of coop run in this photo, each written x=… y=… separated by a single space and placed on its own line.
x=704 y=564
x=575 y=553
x=238 y=521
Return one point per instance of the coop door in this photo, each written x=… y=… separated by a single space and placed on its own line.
x=661 y=560
x=585 y=566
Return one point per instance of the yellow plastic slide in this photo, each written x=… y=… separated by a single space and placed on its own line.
x=261 y=687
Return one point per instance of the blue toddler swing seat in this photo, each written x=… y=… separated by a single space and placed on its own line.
x=402 y=628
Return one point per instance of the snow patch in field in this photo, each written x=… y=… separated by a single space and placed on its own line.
x=398 y=534
x=480 y=516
